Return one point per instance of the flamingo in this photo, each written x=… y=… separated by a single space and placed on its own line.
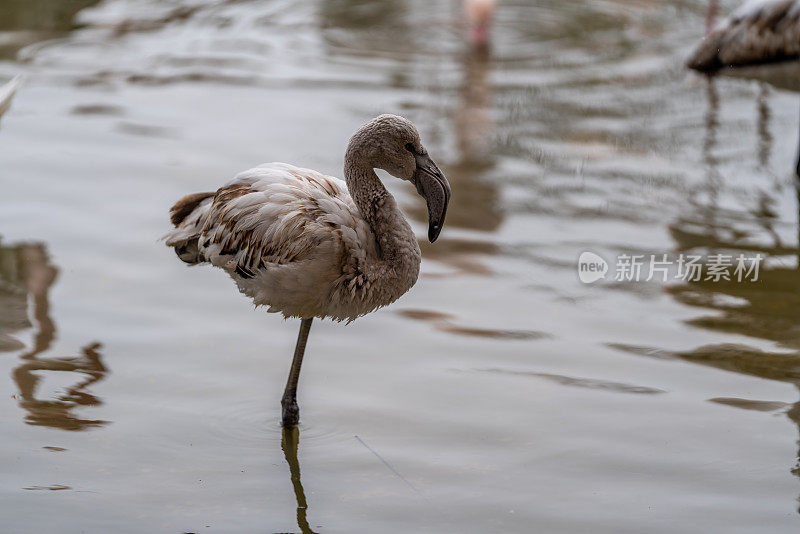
x=309 y=245
x=760 y=31
x=479 y=14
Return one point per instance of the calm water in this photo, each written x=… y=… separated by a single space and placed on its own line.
x=500 y=394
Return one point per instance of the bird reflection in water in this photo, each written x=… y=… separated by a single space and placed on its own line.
x=26 y=276
x=289 y=442
x=768 y=309
x=378 y=25
x=477 y=205
x=473 y=128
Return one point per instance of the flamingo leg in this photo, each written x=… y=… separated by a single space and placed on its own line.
x=290 y=414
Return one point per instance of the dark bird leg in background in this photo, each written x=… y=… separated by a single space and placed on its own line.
x=797 y=187
x=291 y=413
x=797 y=169
x=711 y=15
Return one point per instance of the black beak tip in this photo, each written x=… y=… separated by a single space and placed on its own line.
x=433 y=232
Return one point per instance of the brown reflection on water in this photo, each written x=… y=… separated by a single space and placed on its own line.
x=174 y=14
x=442 y=322
x=26 y=276
x=768 y=309
x=290 y=440
x=747 y=404
x=477 y=204
x=359 y=15
x=23 y=22
x=783 y=75
x=55 y=487
x=58 y=412
x=587 y=383
x=764 y=135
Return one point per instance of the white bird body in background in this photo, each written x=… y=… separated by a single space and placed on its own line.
x=7 y=93
x=310 y=245
x=760 y=31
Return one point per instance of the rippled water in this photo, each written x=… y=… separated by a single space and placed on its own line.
x=500 y=394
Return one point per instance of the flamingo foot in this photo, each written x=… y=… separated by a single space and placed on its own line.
x=290 y=413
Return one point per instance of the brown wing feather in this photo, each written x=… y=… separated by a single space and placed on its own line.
x=185 y=206
x=238 y=232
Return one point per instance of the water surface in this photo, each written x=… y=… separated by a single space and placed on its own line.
x=500 y=394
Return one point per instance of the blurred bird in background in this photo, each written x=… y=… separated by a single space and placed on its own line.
x=479 y=15
x=759 y=32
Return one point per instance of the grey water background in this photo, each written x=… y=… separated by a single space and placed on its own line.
x=500 y=394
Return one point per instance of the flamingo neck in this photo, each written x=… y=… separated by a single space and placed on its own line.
x=397 y=244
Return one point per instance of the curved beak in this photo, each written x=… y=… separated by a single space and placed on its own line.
x=433 y=186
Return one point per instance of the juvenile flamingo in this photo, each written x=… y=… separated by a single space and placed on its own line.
x=760 y=31
x=310 y=245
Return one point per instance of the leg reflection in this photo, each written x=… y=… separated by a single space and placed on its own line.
x=289 y=442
